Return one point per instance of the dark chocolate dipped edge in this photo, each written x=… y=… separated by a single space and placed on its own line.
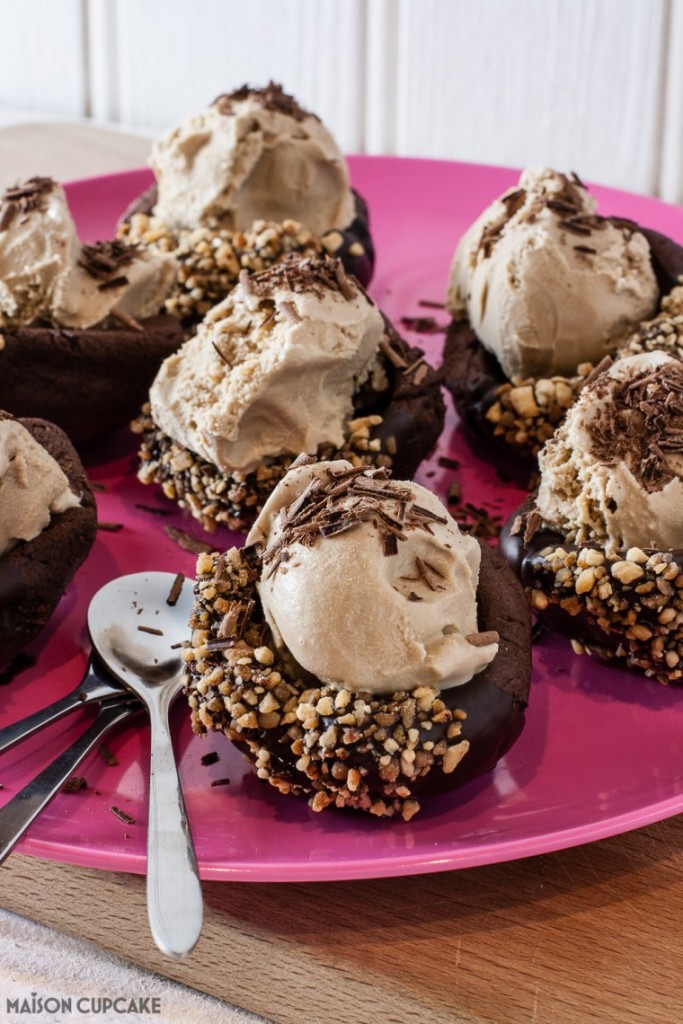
x=487 y=712
x=355 y=249
x=88 y=381
x=412 y=410
x=583 y=616
x=473 y=375
x=35 y=573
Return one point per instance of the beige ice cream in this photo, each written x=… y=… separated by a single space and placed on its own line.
x=273 y=368
x=253 y=154
x=33 y=486
x=545 y=283
x=613 y=472
x=46 y=273
x=365 y=605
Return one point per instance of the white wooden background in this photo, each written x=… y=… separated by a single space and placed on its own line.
x=594 y=86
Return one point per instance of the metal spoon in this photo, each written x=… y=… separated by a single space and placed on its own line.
x=96 y=685
x=26 y=805
x=137 y=633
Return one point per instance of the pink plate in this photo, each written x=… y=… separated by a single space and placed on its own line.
x=600 y=753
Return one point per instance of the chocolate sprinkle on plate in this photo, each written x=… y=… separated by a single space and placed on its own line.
x=176 y=589
x=127 y=819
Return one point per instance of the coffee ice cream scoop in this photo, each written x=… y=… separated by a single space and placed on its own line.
x=48 y=274
x=33 y=487
x=368 y=583
x=253 y=154
x=273 y=368
x=613 y=472
x=545 y=282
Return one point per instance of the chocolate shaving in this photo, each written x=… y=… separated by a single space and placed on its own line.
x=412 y=596
x=107 y=755
x=127 y=819
x=425 y=513
x=336 y=502
x=110 y=527
x=423 y=325
x=74 y=784
x=186 y=541
x=176 y=588
x=303 y=460
x=210 y=758
x=154 y=509
x=389 y=544
x=220 y=782
x=272 y=97
x=603 y=365
x=104 y=259
x=219 y=353
x=315 y=274
x=22 y=199
x=116 y=282
x=642 y=422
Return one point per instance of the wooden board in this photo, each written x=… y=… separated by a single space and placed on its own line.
x=592 y=934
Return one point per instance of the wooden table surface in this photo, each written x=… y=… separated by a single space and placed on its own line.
x=590 y=934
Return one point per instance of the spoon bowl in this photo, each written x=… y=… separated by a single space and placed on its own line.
x=137 y=624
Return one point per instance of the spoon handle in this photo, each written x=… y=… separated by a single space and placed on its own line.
x=174 y=892
x=95 y=685
x=23 y=808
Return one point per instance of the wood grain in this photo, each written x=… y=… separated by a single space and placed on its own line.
x=174 y=59
x=671 y=173
x=592 y=934
x=566 y=84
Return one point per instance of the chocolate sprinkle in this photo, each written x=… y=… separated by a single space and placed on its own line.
x=127 y=819
x=317 y=274
x=643 y=423
x=186 y=541
x=333 y=504
x=22 y=199
x=107 y=755
x=176 y=589
x=104 y=260
x=272 y=97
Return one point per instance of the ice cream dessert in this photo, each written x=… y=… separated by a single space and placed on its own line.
x=600 y=545
x=296 y=358
x=47 y=526
x=541 y=289
x=255 y=176
x=76 y=319
x=360 y=650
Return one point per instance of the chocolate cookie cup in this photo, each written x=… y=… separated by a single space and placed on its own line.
x=243 y=182
x=622 y=606
x=598 y=547
x=516 y=415
x=35 y=573
x=88 y=382
x=81 y=333
x=376 y=752
x=210 y=259
x=396 y=419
